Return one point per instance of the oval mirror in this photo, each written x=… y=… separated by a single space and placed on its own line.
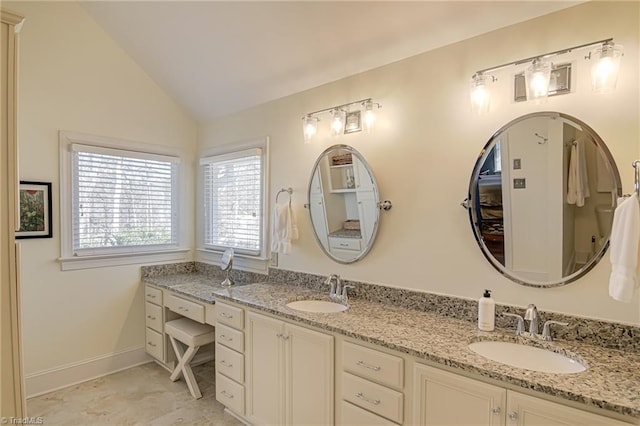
x=343 y=204
x=541 y=199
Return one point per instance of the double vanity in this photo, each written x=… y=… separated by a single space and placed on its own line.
x=382 y=363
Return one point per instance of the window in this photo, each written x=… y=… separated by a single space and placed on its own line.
x=120 y=201
x=233 y=185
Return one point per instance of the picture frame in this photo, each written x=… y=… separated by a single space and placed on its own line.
x=353 y=122
x=35 y=210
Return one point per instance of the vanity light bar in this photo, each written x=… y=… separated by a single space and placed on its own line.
x=343 y=120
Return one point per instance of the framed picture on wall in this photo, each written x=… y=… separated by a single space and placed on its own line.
x=35 y=210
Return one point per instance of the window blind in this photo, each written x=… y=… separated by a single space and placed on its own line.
x=233 y=201
x=122 y=199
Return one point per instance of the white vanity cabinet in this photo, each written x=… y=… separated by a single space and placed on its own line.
x=154 y=320
x=289 y=368
x=442 y=398
x=230 y=377
x=371 y=380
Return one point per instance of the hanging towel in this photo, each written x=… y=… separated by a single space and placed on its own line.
x=285 y=228
x=625 y=234
x=577 y=180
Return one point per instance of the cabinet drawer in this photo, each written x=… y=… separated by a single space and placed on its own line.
x=186 y=308
x=373 y=397
x=229 y=315
x=153 y=316
x=344 y=243
x=230 y=394
x=153 y=295
x=229 y=337
x=372 y=364
x=356 y=416
x=154 y=344
x=230 y=363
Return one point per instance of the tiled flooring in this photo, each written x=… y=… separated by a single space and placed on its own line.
x=142 y=395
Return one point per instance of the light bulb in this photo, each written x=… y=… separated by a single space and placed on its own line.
x=337 y=122
x=537 y=77
x=309 y=127
x=480 y=96
x=369 y=116
x=604 y=71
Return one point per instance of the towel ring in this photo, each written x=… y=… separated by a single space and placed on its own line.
x=287 y=190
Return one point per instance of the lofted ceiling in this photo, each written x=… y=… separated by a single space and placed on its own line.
x=215 y=57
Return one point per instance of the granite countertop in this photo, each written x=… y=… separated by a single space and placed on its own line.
x=611 y=382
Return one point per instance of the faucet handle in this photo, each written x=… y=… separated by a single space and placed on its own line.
x=531 y=313
x=546 y=330
x=345 y=288
x=520 y=325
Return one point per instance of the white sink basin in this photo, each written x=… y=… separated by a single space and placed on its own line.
x=527 y=357
x=322 y=306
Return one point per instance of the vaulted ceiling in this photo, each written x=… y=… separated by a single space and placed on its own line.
x=215 y=57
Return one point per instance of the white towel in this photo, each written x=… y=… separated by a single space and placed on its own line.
x=625 y=234
x=577 y=180
x=285 y=229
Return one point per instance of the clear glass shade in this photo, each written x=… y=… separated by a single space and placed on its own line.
x=537 y=76
x=604 y=71
x=480 y=96
x=369 y=115
x=309 y=128
x=338 y=117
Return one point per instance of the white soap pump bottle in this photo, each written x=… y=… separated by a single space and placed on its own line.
x=486 y=312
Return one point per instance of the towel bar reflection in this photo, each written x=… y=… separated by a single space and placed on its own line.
x=636 y=180
x=287 y=190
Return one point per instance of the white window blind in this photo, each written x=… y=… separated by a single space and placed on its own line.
x=233 y=194
x=123 y=199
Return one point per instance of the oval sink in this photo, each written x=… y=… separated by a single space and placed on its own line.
x=321 y=306
x=527 y=357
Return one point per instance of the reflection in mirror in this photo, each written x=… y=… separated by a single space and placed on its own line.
x=541 y=199
x=343 y=204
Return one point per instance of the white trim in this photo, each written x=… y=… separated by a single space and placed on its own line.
x=259 y=265
x=46 y=381
x=253 y=152
x=67 y=259
x=117 y=152
x=86 y=262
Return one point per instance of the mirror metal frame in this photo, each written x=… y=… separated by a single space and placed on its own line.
x=469 y=202
x=374 y=233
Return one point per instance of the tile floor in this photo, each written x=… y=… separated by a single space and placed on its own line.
x=142 y=395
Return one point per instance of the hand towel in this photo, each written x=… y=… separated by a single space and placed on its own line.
x=625 y=234
x=577 y=180
x=285 y=229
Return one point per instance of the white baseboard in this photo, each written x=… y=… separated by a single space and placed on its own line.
x=67 y=375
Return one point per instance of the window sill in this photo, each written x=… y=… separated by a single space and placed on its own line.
x=106 y=260
x=259 y=265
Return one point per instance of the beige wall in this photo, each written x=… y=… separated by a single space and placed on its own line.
x=426 y=144
x=73 y=77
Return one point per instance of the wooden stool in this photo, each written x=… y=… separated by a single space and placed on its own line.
x=193 y=335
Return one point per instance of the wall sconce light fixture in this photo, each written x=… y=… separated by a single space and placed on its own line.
x=344 y=118
x=539 y=72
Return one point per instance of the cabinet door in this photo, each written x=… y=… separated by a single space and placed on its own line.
x=309 y=376
x=442 y=398
x=265 y=387
x=525 y=410
x=368 y=213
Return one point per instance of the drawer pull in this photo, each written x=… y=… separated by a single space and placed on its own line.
x=225 y=338
x=182 y=308
x=153 y=345
x=151 y=318
x=153 y=296
x=227 y=394
x=226 y=364
x=226 y=315
x=369 y=400
x=369 y=366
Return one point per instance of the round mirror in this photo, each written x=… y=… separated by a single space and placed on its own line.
x=343 y=204
x=226 y=263
x=541 y=199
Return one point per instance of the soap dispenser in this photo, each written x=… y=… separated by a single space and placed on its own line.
x=486 y=312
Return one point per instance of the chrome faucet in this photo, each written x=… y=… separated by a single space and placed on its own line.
x=531 y=315
x=344 y=297
x=520 y=325
x=335 y=291
x=546 y=330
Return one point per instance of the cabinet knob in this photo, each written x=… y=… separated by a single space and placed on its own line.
x=496 y=410
x=513 y=416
